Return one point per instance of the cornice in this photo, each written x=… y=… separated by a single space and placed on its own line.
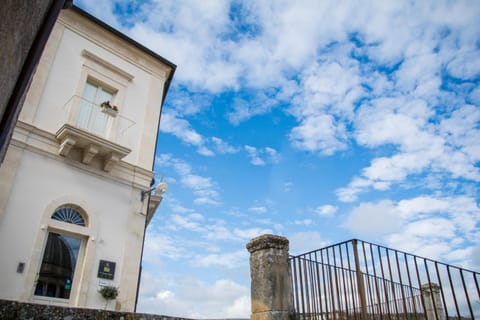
x=39 y=141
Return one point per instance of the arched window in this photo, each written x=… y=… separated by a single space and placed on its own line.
x=61 y=253
x=69 y=215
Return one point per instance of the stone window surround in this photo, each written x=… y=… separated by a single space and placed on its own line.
x=85 y=255
x=97 y=70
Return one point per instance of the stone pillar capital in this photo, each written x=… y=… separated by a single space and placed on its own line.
x=267 y=241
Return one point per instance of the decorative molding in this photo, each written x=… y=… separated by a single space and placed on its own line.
x=91 y=145
x=110 y=160
x=66 y=146
x=36 y=140
x=89 y=152
x=113 y=44
x=89 y=55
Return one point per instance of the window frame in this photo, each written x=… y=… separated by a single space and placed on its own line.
x=100 y=72
x=84 y=258
x=74 y=271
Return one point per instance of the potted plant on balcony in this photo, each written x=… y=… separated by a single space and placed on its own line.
x=109 y=109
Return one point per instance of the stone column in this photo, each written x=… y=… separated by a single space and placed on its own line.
x=271 y=287
x=433 y=303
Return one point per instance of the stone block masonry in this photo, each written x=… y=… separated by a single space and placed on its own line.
x=270 y=280
x=13 y=310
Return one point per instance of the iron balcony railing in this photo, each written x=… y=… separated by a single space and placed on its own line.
x=91 y=117
x=361 y=280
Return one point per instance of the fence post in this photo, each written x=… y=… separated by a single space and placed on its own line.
x=433 y=302
x=271 y=288
x=360 y=284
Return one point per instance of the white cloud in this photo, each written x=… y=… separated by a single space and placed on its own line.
x=262 y=156
x=180 y=128
x=185 y=222
x=302 y=242
x=304 y=222
x=158 y=245
x=373 y=219
x=230 y=260
x=254 y=156
x=223 y=147
x=326 y=210
x=447 y=146
x=248 y=234
x=204 y=188
x=319 y=133
x=441 y=228
x=258 y=209
x=192 y=298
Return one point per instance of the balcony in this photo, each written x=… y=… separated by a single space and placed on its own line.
x=95 y=131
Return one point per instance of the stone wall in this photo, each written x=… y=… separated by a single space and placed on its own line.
x=10 y=310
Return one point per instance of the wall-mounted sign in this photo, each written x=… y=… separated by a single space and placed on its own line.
x=106 y=270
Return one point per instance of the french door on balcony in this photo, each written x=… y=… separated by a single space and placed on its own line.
x=90 y=116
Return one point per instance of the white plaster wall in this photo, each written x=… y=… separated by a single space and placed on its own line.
x=141 y=102
x=109 y=202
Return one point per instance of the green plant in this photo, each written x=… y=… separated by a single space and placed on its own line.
x=106 y=104
x=108 y=293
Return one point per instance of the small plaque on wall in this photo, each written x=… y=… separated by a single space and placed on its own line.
x=106 y=270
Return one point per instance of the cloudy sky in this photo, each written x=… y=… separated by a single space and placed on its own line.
x=317 y=120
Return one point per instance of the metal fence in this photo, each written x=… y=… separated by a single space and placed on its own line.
x=361 y=280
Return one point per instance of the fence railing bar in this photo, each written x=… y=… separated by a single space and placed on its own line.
x=349 y=270
x=410 y=284
x=441 y=291
x=302 y=298
x=466 y=293
x=401 y=283
x=384 y=247
x=352 y=289
x=375 y=280
x=339 y=301
x=325 y=286
x=368 y=278
x=319 y=287
x=325 y=248
x=392 y=284
x=419 y=283
x=476 y=284
x=327 y=264
x=293 y=271
x=453 y=292
x=312 y=289
x=384 y=285
x=379 y=283
x=430 y=288
x=332 y=296
x=428 y=259
x=306 y=285
x=308 y=301
x=360 y=284
x=345 y=288
x=327 y=289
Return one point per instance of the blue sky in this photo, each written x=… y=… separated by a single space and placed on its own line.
x=317 y=120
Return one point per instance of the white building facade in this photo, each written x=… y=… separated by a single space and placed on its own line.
x=72 y=213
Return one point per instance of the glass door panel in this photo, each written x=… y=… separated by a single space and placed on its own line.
x=58 y=266
x=90 y=115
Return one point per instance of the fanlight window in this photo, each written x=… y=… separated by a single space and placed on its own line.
x=68 y=215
